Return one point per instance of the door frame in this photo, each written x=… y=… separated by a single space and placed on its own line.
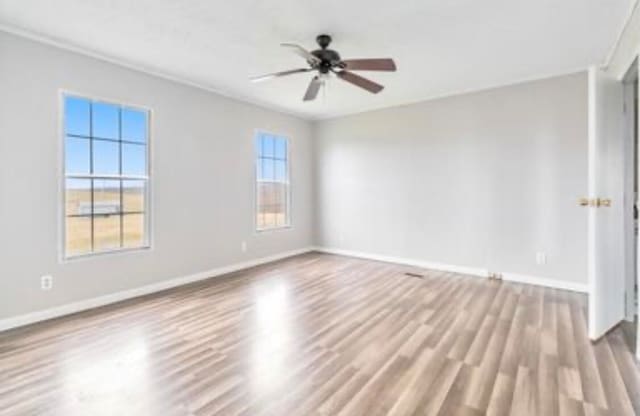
x=631 y=86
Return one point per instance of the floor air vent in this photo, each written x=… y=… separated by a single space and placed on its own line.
x=419 y=276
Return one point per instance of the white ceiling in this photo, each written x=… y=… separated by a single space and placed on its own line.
x=441 y=47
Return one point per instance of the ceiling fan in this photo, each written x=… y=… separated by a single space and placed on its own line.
x=327 y=61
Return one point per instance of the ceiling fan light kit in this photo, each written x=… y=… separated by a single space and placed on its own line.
x=326 y=61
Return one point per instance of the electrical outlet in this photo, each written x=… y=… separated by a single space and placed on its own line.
x=243 y=246
x=46 y=282
x=541 y=258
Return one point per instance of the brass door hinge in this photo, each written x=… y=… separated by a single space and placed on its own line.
x=595 y=202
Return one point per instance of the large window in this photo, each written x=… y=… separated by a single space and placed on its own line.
x=106 y=174
x=272 y=182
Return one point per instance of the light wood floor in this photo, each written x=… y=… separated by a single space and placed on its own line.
x=324 y=335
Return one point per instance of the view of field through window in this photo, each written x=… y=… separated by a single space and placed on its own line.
x=106 y=177
x=272 y=175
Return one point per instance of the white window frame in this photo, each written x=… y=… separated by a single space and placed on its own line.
x=256 y=153
x=94 y=98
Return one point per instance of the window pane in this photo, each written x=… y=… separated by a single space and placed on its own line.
x=106 y=156
x=105 y=119
x=269 y=218
x=134 y=159
x=278 y=202
x=276 y=193
x=267 y=146
x=106 y=232
x=267 y=169
x=106 y=197
x=78 y=235
x=278 y=211
x=76 y=155
x=78 y=197
x=266 y=193
x=281 y=205
x=77 y=116
x=259 y=219
x=134 y=125
x=281 y=148
x=133 y=196
x=280 y=170
x=134 y=230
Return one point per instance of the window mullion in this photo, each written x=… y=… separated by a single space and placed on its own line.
x=91 y=171
x=276 y=190
x=121 y=182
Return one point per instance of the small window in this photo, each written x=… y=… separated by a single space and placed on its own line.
x=272 y=182
x=106 y=171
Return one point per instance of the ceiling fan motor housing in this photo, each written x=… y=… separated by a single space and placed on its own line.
x=328 y=57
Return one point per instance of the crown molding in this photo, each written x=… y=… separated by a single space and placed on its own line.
x=64 y=45
x=67 y=46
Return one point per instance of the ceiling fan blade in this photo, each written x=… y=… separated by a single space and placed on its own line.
x=369 y=64
x=279 y=74
x=360 y=81
x=312 y=89
x=299 y=50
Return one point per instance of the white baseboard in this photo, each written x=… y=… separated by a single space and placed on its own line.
x=547 y=282
x=409 y=262
x=92 y=303
x=472 y=271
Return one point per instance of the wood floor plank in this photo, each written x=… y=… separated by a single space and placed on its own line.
x=524 y=401
x=320 y=334
x=501 y=396
x=548 y=385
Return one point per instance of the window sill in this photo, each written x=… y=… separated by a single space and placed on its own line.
x=279 y=228
x=107 y=253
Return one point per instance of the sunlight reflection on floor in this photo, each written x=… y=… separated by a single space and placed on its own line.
x=96 y=384
x=272 y=343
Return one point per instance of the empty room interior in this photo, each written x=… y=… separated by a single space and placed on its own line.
x=319 y=208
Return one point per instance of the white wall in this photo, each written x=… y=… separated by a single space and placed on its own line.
x=202 y=178
x=482 y=180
